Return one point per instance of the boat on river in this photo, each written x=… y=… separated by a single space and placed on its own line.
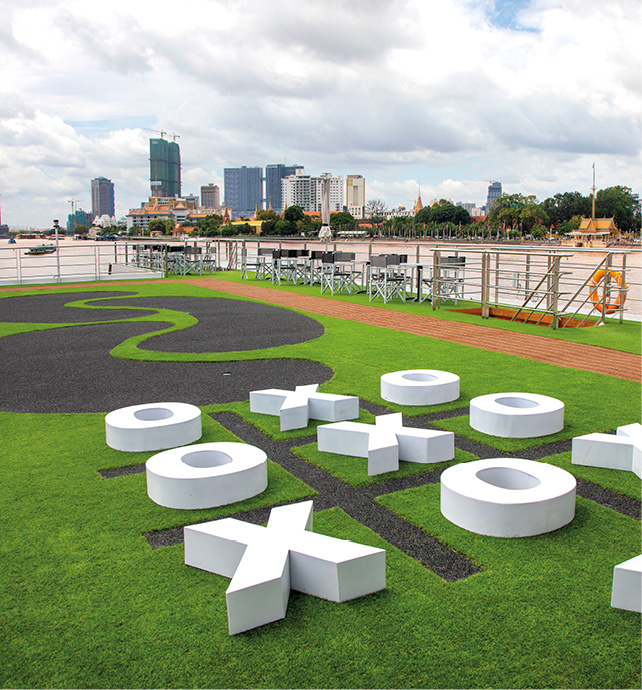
x=41 y=249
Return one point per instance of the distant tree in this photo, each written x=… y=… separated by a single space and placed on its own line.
x=562 y=207
x=287 y=227
x=210 y=226
x=423 y=215
x=618 y=203
x=81 y=230
x=268 y=227
x=229 y=230
x=375 y=208
x=532 y=214
x=515 y=211
x=162 y=225
x=267 y=214
x=564 y=227
x=293 y=214
x=342 y=219
x=308 y=225
x=449 y=213
x=538 y=231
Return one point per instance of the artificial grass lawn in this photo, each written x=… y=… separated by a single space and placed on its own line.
x=359 y=354
x=542 y=604
x=87 y=602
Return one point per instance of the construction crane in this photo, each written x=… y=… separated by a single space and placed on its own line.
x=162 y=133
x=73 y=203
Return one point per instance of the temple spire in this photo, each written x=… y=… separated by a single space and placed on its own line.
x=419 y=205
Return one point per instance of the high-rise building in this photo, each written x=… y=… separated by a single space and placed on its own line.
x=307 y=191
x=78 y=217
x=210 y=196
x=273 y=176
x=355 y=190
x=494 y=192
x=164 y=168
x=102 y=197
x=243 y=190
x=356 y=195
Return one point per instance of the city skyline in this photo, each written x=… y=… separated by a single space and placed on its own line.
x=447 y=97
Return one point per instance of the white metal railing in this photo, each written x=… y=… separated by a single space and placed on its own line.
x=77 y=262
x=556 y=286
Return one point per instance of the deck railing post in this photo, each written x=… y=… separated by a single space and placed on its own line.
x=436 y=279
x=623 y=289
x=18 y=266
x=485 y=309
x=555 y=286
x=607 y=279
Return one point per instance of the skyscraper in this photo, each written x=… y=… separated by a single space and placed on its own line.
x=273 y=176
x=243 y=187
x=494 y=192
x=102 y=197
x=355 y=190
x=164 y=168
x=307 y=191
x=210 y=196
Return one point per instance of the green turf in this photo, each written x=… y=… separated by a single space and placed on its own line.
x=541 y=605
x=87 y=603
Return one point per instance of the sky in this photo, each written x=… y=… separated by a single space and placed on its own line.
x=441 y=96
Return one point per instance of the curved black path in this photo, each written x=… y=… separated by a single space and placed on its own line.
x=224 y=325
x=50 y=308
x=70 y=370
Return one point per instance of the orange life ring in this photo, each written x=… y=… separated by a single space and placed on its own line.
x=597 y=300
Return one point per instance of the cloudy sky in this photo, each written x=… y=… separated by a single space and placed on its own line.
x=446 y=94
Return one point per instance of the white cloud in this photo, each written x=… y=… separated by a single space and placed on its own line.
x=449 y=94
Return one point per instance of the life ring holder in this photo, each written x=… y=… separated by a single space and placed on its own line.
x=596 y=278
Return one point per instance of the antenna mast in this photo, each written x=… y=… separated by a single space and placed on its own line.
x=593 y=211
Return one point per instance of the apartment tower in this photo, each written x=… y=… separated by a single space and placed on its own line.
x=102 y=197
x=164 y=168
x=243 y=190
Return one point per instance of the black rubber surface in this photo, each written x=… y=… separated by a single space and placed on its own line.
x=225 y=325
x=70 y=370
x=50 y=308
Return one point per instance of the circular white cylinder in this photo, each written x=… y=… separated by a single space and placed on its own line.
x=508 y=497
x=153 y=426
x=206 y=475
x=420 y=387
x=516 y=415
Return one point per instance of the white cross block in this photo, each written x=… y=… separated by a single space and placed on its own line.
x=265 y=563
x=296 y=408
x=386 y=442
x=620 y=452
x=627 y=585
